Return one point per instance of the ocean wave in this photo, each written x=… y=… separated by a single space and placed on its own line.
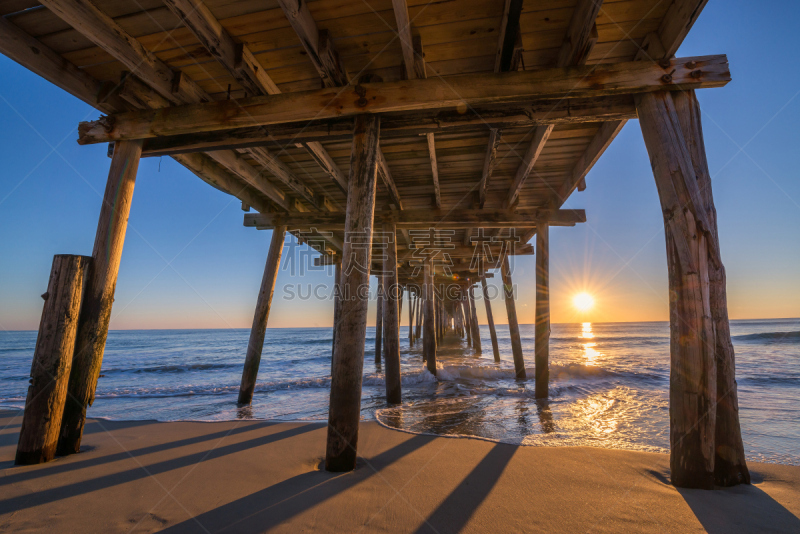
x=558 y=371
x=172 y=368
x=771 y=337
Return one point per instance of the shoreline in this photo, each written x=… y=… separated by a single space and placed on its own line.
x=253 y=476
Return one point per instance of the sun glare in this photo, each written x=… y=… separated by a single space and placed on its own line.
x=583 y=302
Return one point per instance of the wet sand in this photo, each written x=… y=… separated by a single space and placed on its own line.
x=255 y=476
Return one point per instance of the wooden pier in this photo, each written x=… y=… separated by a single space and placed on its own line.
x=457 y=129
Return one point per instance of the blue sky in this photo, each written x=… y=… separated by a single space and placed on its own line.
x=189 y=263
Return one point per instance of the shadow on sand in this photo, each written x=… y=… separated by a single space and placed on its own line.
x=739 y=509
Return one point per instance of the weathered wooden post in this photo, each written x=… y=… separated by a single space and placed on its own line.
x=467 y=316
x=391 y=323
x=348 y=354
x=52 y=360
x=411 y=303
x=476 y=329
x=513 y=325
x=674 y=143
x=337 y=298
x=98 y=295
x=379 y=321
x=420 y=307
x=258 y=331
x=542 y=327
x=730 y=466
x=429 y=336
x=490 y=319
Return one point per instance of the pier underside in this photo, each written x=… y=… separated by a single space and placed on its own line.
x=421 y=143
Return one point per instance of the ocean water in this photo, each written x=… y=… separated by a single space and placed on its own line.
x=609 y=383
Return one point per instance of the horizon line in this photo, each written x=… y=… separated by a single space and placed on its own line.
x=406 y=326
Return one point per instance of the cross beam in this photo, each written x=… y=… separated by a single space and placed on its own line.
x=419 y=94
x=424 y=219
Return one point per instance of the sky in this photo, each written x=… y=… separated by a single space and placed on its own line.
x=189 y=263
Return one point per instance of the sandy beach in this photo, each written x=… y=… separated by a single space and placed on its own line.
x=255 y=476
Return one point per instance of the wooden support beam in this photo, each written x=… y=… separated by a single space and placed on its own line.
x=238 y=166
x=98 y=295
x=542 y=317
x=258 y=331
x=348 y=353
x=379 y=319
x=52 y=360
x=476 y=330
x=337 y=300
x=391 y=322
x=599 y=143
x=427 y=94
x=36 y=57
x=318 y=44
x=513 y=324
x=439 y=219
x=437 y=194
x=692 y=253
x=411 y=303
x=677 y=22
x=168 y=86
x=581 y=34
x=507 y=39
x=326 y=163
x=242 y=64
x=490 y=319
x=386 y=177
x=575 y=49
x=404 y=36
x=403 y=124
x=273 y=165
x=488 y=165
x=654 y=47
x=220 y=178
x=429 y=320
x=730 y=465
x=103 y=31
x=540 y=136
x=234 y=56
x=420 y=306
x=467 y=317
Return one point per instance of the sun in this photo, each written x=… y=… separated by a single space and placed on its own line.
x=583 y=302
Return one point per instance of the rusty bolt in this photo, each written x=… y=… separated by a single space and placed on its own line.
x=361 y=102
x=665 y=63
x=691 y=64
x=667 y=78
x=697 y=73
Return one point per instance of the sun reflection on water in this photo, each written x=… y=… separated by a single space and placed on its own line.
x=590 y=354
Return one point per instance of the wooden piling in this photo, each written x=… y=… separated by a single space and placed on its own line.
x=542 y=318
x=98 y=295
x=476 y=331
x=467 y=317
x=429 y=336
x=730 y=465
x=379 y=321
x=691 y=247
x=410 y=317
x=391 y=322
x=52 y=360
x=490 y=319
x=348 y=354
x=420 y=308
x=258 y=331
x=337 y=299
x=513 y=325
